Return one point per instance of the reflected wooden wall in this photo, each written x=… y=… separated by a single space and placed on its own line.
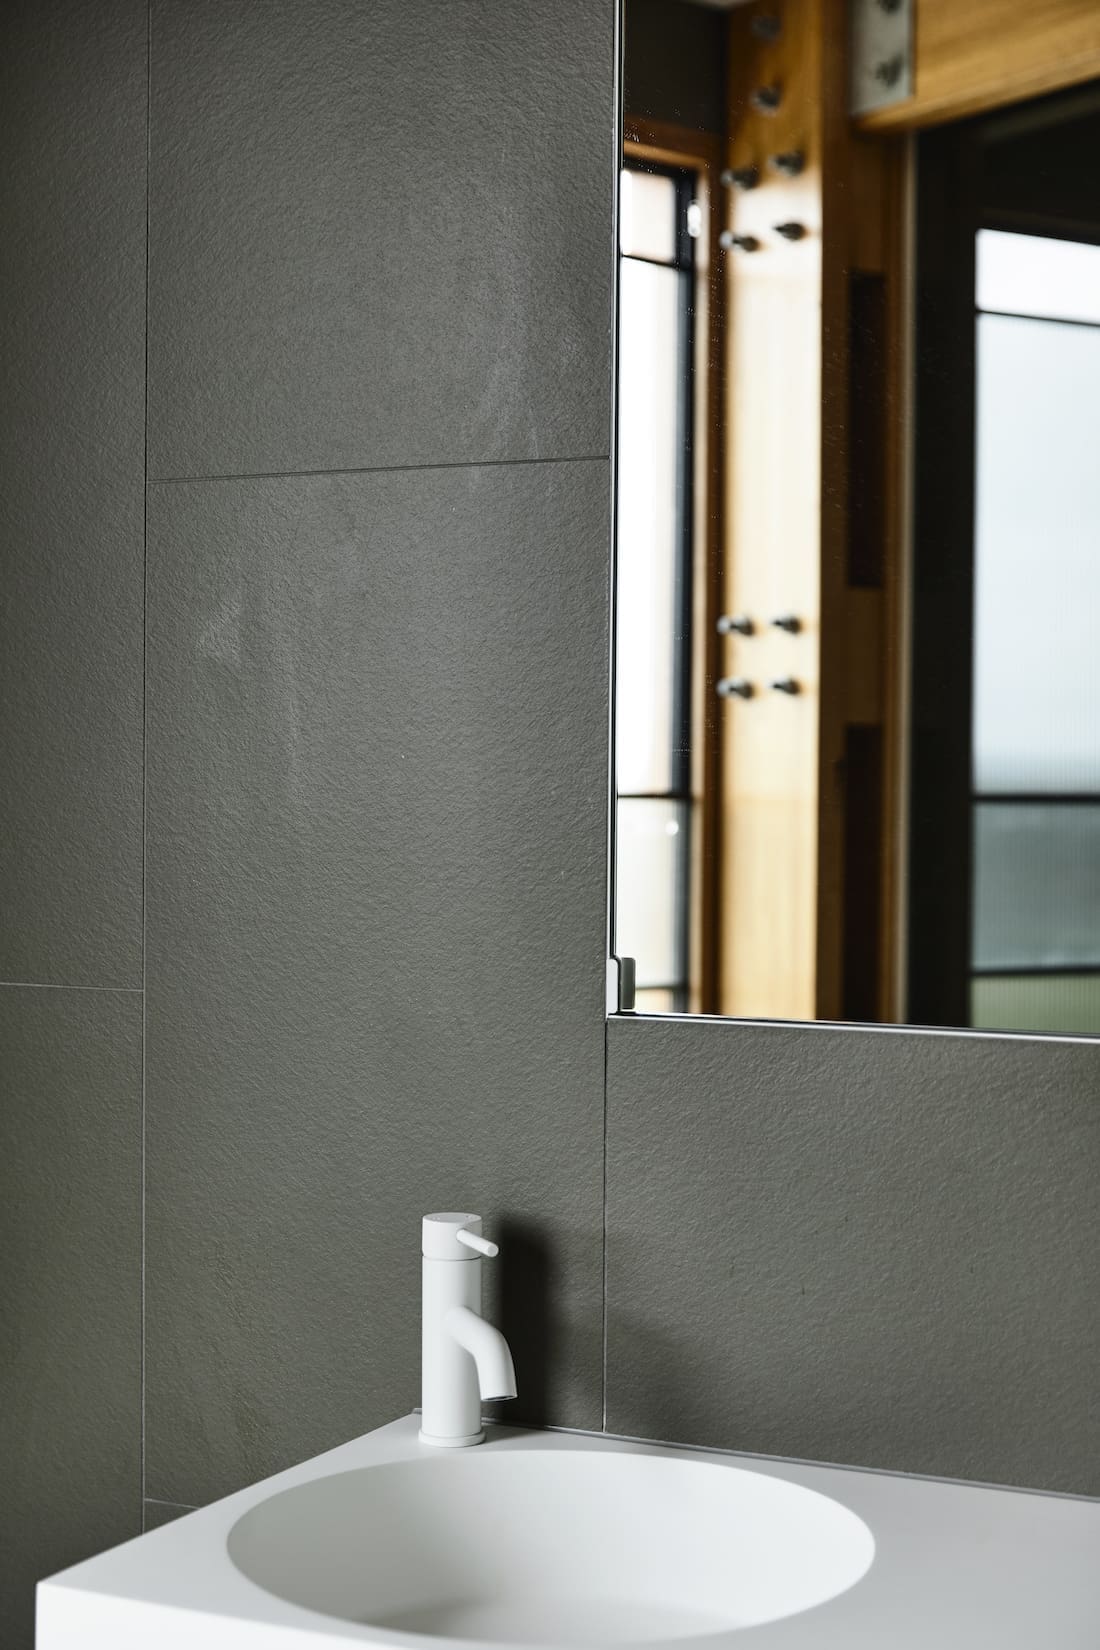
x=975 y=55
x=789 y=903
x=772 y=563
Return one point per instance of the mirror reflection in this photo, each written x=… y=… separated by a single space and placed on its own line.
x=857 y=746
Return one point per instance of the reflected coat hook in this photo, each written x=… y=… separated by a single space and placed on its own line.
x=738 y=624
x=734 y=687
x=740 y=177
x=766 y=99
x=738 y=243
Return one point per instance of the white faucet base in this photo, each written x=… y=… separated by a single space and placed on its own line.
x=451 y=1443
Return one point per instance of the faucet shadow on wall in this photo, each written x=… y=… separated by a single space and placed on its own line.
x=522 y=1305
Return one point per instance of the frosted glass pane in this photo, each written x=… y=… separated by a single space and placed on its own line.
x=1036 y=885
x=1032 y=275
x=647 y=614
x=1037 y=558
x=1037 y=1002
x=650 y=845
x=647 y=216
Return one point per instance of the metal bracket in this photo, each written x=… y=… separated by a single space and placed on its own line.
x=620 y=985
x=880 y=33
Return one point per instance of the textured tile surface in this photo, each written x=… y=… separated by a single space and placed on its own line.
x=377 y=749
x=381 y=234
x=879 y=1249
x=156 y=1513
x=72 y=345
x=70 y=1285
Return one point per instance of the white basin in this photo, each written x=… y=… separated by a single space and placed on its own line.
x=564 y=1539
x=553 y=1548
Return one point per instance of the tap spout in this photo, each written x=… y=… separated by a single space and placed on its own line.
x=496 y=1375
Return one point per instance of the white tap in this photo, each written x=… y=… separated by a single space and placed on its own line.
x=464 y=1360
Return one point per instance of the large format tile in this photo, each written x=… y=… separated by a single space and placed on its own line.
x=381 y=235
x=377 y=778
x=70 y=1285
x=874 y=1248
x=72 y=348
x=156 y=1513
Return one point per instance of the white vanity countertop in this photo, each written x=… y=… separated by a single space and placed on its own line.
x=956 y=1567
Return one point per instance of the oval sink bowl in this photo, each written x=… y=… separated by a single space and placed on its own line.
x=554 y=1548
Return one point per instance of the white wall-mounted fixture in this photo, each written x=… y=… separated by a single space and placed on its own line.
x=554 y=1538
x=464 y=1360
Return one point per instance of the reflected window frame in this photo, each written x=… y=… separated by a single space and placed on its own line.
x=948 y=978
x=674 y=988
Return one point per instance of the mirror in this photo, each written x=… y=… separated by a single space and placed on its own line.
x=857 y=590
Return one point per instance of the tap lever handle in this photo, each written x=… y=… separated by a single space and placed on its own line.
x=452 y=1235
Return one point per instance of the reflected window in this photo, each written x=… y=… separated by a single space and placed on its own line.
x=1035 y=820
x=658 y=222
x=1036 y=276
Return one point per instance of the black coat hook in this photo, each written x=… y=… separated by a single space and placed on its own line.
x=766 y=99
x=740 y=177
x=734 y=687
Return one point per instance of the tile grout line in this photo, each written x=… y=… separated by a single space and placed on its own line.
x=616 y=140
x=51 y=985
x=378 y=469
x=145 y=724
x=603 y=1318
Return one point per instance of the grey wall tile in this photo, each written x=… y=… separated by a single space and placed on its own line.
x=72 y=344
x=381 y=235
x=377 y=771
x=156 y=1513
x=873 y=1248
x=70 y=1285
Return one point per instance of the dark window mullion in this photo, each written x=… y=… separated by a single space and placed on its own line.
x=1045 y=799
x=1041 y=320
